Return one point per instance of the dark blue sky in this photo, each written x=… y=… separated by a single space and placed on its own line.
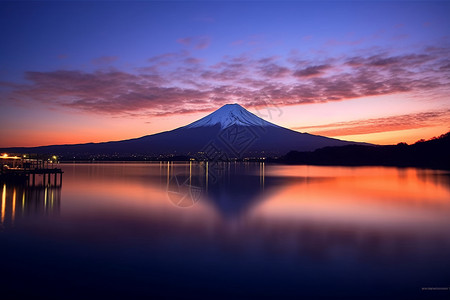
x=46 y=35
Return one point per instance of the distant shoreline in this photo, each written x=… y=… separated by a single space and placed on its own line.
x=271 y=162
x=432 y=154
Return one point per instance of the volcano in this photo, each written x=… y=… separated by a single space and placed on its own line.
x=229 y=132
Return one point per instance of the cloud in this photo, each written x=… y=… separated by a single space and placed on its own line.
x=311 y=71
x=376 y=125
x=111 y=92
x=193 y=60
x=269 y=67
x=187 y=41
x=198 y=42
x=252 y=40
x=203 y=43
x=384 y=60
x=274 y=71
x=176 y=82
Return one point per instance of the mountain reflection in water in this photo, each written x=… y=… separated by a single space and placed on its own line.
x=231 y=230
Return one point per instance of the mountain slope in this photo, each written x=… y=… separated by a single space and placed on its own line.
x=231 y=131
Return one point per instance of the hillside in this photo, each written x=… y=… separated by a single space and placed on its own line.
x=433 y=153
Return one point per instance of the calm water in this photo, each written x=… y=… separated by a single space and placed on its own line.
x=228 y=231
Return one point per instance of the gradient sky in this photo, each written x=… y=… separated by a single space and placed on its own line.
x=78 y=71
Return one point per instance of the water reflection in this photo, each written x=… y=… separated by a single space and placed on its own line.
x=333 y=197
x=253 y=222
x=327 y=211
x=314 y=211
x=20 y=201
x=232 y=188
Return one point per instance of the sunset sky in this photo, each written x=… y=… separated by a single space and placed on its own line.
x=79 y=71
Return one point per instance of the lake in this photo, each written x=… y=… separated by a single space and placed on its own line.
x=228 y=230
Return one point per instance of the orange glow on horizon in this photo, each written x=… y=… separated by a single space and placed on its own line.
x=78 y=128
x=409 y=136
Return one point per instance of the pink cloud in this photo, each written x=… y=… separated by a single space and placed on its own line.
x=312 y=71
x=178 y=83
x=193 y=60
x=187 y=41
x=273 y=70
x=376 y=125
x=203 y=43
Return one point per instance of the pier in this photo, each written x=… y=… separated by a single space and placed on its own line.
x=31 y=169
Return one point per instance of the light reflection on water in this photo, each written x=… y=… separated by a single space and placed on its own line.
x=277 y=229
x=22 y=202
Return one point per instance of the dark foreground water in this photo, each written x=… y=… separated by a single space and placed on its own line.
x=180 y=230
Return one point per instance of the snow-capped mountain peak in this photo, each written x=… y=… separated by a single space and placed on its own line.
x=228 y=115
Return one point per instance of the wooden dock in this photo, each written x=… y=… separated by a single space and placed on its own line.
x=31 y=169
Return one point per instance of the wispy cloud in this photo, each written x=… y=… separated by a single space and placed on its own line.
x=196 y=42
x=385 y=124
x=177 y=82
x=312 y=71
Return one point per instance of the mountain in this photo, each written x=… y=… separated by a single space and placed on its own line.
x=229 y=132
x=228 y=115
